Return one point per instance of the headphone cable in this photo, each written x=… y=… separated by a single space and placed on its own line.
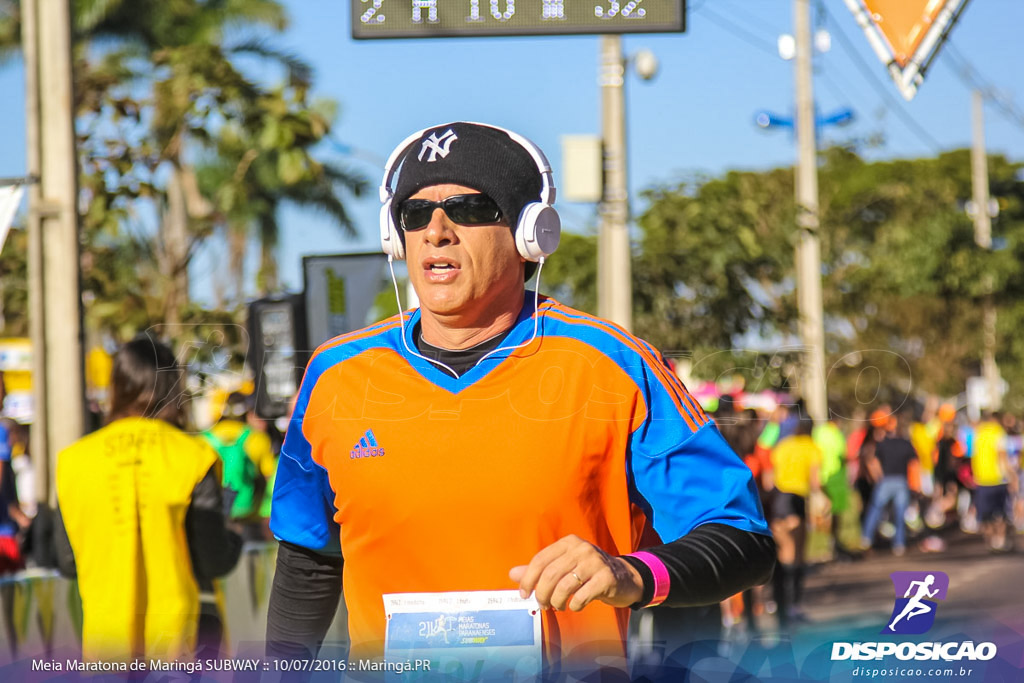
x=405 y=342
x=536 y=318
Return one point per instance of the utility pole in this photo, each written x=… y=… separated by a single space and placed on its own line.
x=983 y=238
x=614 y=259
x=808 y=251
x=54 y=267
x=174 y=251
x=38 y=445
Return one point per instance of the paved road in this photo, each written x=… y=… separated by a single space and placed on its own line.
x=982 y=586
x=852 y=602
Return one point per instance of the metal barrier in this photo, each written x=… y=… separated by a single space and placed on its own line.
x=42 y=612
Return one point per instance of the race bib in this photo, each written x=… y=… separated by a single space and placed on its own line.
x=466 y=636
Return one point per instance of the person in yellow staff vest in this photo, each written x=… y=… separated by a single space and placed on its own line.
x=141 y=515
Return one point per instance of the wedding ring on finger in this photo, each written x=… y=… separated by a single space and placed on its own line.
x=577 y=577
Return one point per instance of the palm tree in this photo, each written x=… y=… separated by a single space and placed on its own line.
x=158 y=90
x=266 y=161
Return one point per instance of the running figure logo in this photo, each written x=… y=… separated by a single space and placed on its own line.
x=439 y=627
x=914 y=611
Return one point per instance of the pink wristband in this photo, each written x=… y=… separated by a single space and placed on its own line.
x=661 y=577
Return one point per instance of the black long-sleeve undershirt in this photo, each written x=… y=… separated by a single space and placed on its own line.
x=706 y=566
x=303 y=601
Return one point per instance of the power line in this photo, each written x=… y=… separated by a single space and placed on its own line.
x=889 y=101
x=738 y=31
x=974 y=80
x=839 y=93
x=871 y=76
x=822 y=73
x=743 y=17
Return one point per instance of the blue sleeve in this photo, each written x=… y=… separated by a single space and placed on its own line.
x=5 y=445
x=683 y=479
x=303 y=504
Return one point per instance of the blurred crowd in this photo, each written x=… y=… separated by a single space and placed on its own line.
x=846 y=489
x=875 y=482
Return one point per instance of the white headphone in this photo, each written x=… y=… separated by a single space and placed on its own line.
x=537 y=232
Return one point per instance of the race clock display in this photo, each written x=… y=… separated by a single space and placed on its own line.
x=454 y=18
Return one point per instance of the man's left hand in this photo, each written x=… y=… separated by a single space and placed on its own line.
x=571 y=573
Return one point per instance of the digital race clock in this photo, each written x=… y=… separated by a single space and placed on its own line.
x=451 y=18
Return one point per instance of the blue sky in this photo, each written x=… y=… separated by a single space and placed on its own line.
x=695 y=117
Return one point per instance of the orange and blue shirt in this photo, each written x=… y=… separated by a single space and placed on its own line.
x=432 y=483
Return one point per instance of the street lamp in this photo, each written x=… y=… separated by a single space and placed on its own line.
x=614 y=268
x=839 y=117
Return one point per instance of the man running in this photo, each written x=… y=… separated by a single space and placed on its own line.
x=555 y=436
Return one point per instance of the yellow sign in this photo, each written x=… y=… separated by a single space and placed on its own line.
x=16 y=364
x=904 y=23
x=98 y=366
x=906 y=34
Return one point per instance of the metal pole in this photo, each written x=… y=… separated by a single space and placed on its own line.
x=174 y=229
x=983 y=237
x=62 y=410
x=808 y=256
x=615 y=279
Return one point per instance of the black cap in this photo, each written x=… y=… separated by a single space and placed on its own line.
x=474 y=155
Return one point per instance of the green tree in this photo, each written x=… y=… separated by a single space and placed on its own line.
x=14 y=285
x=713 y=261
x=262 y=162
x=570 y=275
x=160 y=87
x=902 y=276
x=905 y=274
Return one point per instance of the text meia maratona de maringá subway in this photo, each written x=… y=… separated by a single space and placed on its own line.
x=189 y=667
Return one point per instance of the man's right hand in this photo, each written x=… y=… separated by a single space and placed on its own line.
x=571 y=573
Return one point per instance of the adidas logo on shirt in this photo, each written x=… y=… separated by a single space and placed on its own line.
x=367 y=447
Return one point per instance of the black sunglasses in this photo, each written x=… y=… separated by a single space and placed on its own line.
x=464 y=209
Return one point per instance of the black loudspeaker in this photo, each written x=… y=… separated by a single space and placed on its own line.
x=278 y=352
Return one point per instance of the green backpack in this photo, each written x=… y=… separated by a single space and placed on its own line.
x=242 y=480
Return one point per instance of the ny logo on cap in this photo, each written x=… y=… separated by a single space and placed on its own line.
x=437 y=145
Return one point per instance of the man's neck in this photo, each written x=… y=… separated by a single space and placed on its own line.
x=455 y=333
